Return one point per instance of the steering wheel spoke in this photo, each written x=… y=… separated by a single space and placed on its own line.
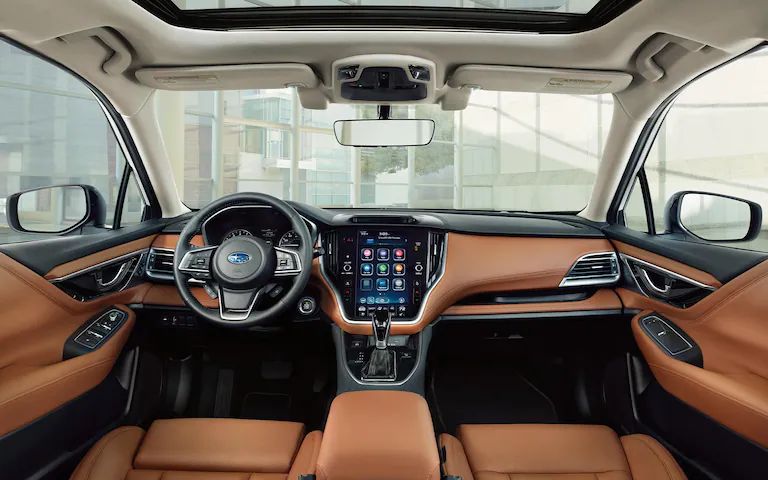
x=288 y=262
x=197 y=263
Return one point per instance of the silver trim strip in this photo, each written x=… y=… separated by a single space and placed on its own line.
x=581 y=282
x=627 y=258
x=193 y=251
x=99 y=265
x=239 y=314
x=424 y=300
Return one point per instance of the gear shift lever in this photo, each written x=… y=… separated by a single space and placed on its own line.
x=381 y=320
x=381 y=365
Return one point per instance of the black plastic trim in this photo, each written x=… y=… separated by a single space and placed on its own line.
x=533 y=315
x=41 y=256
x=74 y=349
x=692 y=356
x=388 y=16
x=154 y=205
x=723 y=263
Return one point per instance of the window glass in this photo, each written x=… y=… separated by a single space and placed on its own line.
x=634 y=212
x=506 y=151
x=713 y=140
x=52 y=132
x=133 y=206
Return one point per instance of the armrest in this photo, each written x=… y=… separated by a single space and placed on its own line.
x=379 y=435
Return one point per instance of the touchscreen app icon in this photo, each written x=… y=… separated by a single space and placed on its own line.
x=366 y=254
x=398 y=269
x=398 y=284
x=366 y=269
x=366 y=284
x=383 y=254
x=382 y=284
x=399 y=254
x=382 y=268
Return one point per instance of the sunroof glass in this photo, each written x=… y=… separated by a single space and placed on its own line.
x=560 y=6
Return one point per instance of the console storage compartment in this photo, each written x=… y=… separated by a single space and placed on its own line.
x=379 y=435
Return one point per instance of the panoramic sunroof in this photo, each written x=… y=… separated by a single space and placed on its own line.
x=564 y=6
x=541 y=16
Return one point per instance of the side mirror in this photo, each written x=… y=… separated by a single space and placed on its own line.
x=55 y=210
x=713 y=217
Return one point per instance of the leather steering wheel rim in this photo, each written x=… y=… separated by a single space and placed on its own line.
x=255 y=317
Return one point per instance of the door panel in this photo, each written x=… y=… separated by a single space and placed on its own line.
x=729 y=327
x=36 y=320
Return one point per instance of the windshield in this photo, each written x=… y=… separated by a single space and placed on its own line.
x=506 y=151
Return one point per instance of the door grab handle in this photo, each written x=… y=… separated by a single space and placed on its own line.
x=120 y=275
x=662 y=292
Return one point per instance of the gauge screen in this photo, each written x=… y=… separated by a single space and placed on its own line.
x=238 y=232
x=290 y=239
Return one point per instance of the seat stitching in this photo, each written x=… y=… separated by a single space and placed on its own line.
x=116 y=433
x=555 y=473
x=652 y=447
x=52 y=382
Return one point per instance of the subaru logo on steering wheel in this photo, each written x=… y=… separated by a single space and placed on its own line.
x=238 y=257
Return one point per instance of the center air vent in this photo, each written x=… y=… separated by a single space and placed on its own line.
x=593 y=269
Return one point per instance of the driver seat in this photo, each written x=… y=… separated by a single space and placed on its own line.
x=203 y=449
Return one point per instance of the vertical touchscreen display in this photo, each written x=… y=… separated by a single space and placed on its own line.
x=388 y=267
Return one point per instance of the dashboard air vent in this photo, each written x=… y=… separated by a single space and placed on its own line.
x=330 y=252
x=160 y=261
x=436 y=247
x=593 y=269
x=384 y=219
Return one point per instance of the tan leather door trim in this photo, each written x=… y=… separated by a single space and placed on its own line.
x=168 y=295
x=666 y=263
x=603 y=299
x=730 y=328
x=477 y=264
x=35 y=322
x=99 y=257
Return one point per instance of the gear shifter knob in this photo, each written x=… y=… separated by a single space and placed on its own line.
x=381 y=320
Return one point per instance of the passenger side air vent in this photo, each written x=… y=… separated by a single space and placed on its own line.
x=593 y=269
x=435 y=258
x=160 y=261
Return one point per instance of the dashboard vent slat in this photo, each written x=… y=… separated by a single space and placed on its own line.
x=436 y=247
x=160 y=261
x=593 y=269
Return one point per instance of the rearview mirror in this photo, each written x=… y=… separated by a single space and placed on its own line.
x=404 y=132
x=57 y=209
x=713 y=217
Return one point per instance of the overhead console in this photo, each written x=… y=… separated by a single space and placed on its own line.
x=383 y=268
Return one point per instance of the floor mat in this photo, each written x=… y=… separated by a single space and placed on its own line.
x=482 y=394
x=266 y=406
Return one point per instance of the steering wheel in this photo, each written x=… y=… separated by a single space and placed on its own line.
x=244 y=269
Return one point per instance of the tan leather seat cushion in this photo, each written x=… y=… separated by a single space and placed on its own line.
x=555 y=452
x=203 y=449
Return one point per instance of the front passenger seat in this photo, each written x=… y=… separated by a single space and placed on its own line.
x=555 y=452
x=203 y=449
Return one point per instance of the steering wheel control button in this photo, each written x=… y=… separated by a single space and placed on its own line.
x=307 y=306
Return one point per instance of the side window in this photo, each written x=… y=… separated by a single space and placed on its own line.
x=635 y=215
x=133 y=205
x=713 y=140
x=52 y=132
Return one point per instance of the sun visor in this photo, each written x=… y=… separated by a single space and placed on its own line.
x=229 y=77
x=541 y=80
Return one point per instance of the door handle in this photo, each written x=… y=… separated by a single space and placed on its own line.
x=120 y=275
x=648 y=283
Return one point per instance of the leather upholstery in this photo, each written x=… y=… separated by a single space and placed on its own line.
x=202 y=449
x=379 y=435
x=555 y=452
x=730 y=328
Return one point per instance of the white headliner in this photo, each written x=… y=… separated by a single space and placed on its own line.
x=727 y=28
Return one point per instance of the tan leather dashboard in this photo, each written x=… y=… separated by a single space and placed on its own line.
x=475 y=264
